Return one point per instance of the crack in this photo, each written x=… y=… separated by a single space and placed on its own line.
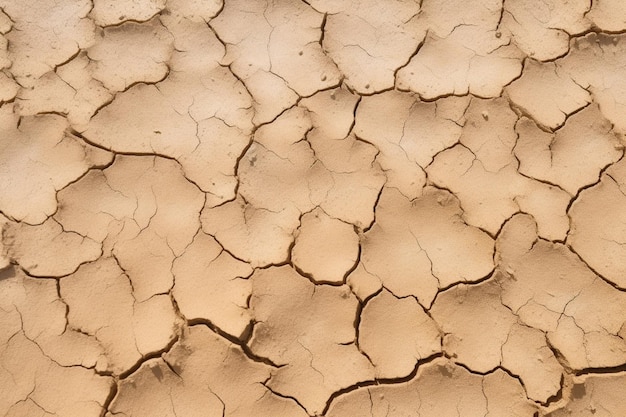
x=479 y=281
x=381 y=381
x=278 y=394
x=601 y=371
x=408 y=61
x=109 y=399
x=556 y=398
x=136 y=21
x=244 y=340
x=149 y=356
x=357 y=324
x=357 y=261
x=242 y=344
x=558 y=354
x=608 y=281
x=376 y=201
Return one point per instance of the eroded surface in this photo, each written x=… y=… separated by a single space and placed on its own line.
x=293 y=208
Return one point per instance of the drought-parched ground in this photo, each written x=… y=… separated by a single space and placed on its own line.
x=291 y=208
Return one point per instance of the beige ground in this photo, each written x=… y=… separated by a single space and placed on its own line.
x=341 y=208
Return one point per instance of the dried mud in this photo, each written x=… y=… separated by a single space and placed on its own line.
x=292 y=208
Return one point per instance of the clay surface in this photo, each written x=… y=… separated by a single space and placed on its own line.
x=312 y=208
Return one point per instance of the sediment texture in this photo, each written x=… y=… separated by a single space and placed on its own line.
x=292 y=208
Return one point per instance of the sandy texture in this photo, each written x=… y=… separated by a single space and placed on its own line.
x=307 y=208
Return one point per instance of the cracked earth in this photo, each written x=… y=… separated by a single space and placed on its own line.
x=292 y=208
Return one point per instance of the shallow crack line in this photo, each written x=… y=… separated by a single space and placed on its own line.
x=285 y=396
x=376 y=201
x=149 y=356
x=381 y=381
x=283 y=111
x=51 y=359
x=51 y=276
x=139 y=154
x=568 y=115
x=135 y=21
x=469 y=283
x=608 y=281
x=586 y=187
x=408 y=61
x=116 y=152
x=357 y=261
x=593 y=28
x=219 y=399
x=458 y=200
x=310 y=276
x=353 y=124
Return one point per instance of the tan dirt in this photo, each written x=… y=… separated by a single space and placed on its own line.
x=307 y=208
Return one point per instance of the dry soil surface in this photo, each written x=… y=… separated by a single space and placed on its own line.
x=292 y=208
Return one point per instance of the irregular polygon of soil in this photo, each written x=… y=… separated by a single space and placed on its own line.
x=489 y=198
x=395 y=334
x=542 y=29
x=439 y=388
x=489 y=133
x=211 y=285
x=183 y=121
x=101 y=304
x=46 y=33
x=202 y=375
x=129 y=207
x=573 y=156
x=33 y=306
x=466 y=313
x=268 y=45
x=408 y=133
x=546 y=95
x=255 y=235
x=362 y=283
x=471 y=59
x=38 y=349
x=595 y=62
x=69 y=90
x=598 y=232
x=370 y=40
x=293 y=321
x=130 y=53
x=46 y=250
x=416 y=247
x=325 y=248
x=8 y=88
x=36 y=160
x=275 y=170
x=281 y=171
x=30 y=383
x=551 y=289
x=526 y=353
